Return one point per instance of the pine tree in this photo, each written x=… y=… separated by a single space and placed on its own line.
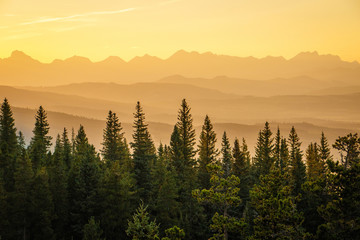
x=58 y=188
x=277 y=216
x=264 y=152
x=223 y=193
x=143 y=154
x=174 y=233
x=116 y=192
x=165 y=192
x=92 y=230
x=315 y=167
x=113 y=143
x=297 y=166
x=20 y=208
x=277 y=149
x=83 y=184
x=227 y=160
x=284 y=156
x=176 y=154
x=67 y=150
x=141 y=228
x=42 y=209
x=41 y=141
x=324 y=149
x=207 y=152
x=341 y=213
x=8 y=146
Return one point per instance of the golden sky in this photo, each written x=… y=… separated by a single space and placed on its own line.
x=49 y=29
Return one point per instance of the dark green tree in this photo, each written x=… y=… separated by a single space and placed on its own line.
x=67 y=150
x=141 y=228
x=92 y=230
x=83 y=184
x=58 y=188
x=207 y=152
x=226 y=159
x=264 y=152
x=277 y=216
x=8 y=146
x=41 y=141
x=144 y=154
x=117 y=194
x=297 y=166
x=223 y=194
x=174 y=233
x=113 y=144
x=341 y=213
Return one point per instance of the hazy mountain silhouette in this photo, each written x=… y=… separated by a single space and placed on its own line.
x=160 y=132
x=161 y=104
x=20 y=69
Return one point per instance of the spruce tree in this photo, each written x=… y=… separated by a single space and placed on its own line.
x=41 y=141
x=116 y=192
x=277 y=216
x=277 y=149
x=57 y=170
x=207 y=152
x=264 y=152
x=67 y=150
x=92 y=230
x=297 y=166
x=8 y=146
x=83 y=184
x=143 y=154
x=113 y=143
x=20 y=209
x=284 y=156
x=226 y=160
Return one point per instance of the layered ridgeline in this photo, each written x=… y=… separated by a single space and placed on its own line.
x=188 y=187
x=20 y=69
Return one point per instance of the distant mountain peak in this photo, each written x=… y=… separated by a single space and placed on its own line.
x=77 y=59
x=21 y=56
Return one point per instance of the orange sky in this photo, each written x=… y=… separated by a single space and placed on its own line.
x=96 y=29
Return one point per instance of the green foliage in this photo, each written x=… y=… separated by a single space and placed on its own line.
x=264 y=152
x=341 y=213
x=141 y=228
x=117 y=193
x=297 y=166
x=144 y=154
x=223 y=194
x=114 y=148
x=207 y=152
x=277 y=216
x=92 y=230
x=174 y=233
x=41 y=141
x=227 y=160
x=8 y=146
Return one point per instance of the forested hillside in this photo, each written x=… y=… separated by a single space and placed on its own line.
x=197 y=185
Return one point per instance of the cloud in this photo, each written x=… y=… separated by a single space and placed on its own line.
x=21 y=36
x=56 y=19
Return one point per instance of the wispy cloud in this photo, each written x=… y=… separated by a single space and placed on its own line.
x=56 y=19
x=21 y=36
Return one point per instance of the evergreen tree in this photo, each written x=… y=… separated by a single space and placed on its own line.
x=92 y=230
x=277 y=216
x=207 y=152
x=141 y=228
x=324 y=149
x=264 y=152
x=67 y=150
x=41 y=141
x=284 y=156
x=20 y=199
x=165 y=192
x=227 y=161
x=42 y=209
x=174 y=233
x=143 y=154
x=113 y=143
x=182 y=143
x=277 y=149
x=297 y=167
x=223 y=193
x=315 y=167
x=8 y=146
x=341 y=213
x=83 y=184
x=117 y=190
x=58 y=189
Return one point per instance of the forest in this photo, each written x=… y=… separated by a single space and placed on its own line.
x=184 y=189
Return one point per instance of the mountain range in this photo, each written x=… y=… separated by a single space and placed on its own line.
x=21 y=70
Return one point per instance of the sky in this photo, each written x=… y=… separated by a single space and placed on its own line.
x=48 y=30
